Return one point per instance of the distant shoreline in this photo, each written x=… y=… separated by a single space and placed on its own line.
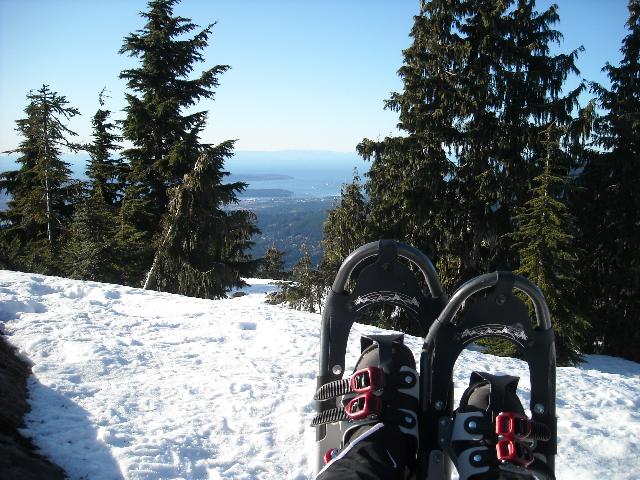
x=266 y=193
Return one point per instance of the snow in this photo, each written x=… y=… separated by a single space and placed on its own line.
x=135 y=384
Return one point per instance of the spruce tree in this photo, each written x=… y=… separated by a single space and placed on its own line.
x=95 y=248
x=272 y=265
x=611 y=224
x=90 y=250
x=306 y=292
x=104 y=170
x=479 y=85
x=345 y=229
x=202 y=248
x=132 y=247
x=545 y=241
x=41 y=189
x=167 y=160
x=164 y=135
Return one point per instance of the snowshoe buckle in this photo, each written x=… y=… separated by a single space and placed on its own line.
x=365 y=405
x=513 y=425
x=367 y=379
x=514 y=451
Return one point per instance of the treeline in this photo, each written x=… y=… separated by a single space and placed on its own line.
x=151 y=214
x=500 y=168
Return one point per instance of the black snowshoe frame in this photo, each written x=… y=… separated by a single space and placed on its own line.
x=386 y=281
x=500 y=313
x=448 y=327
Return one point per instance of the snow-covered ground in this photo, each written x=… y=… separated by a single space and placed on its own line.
x=143 y=385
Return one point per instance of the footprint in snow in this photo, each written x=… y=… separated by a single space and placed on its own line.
x=11 y=308
x=39 y=288
x=75 y=292
x=247 y=325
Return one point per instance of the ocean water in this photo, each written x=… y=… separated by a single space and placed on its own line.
x=306 y=174
x=312 y=183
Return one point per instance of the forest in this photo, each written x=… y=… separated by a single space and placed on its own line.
x=499 y=167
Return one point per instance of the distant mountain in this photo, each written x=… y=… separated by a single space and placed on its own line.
x=247 y=165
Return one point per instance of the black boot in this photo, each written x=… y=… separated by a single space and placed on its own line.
x=380 y=433
x=491 y=437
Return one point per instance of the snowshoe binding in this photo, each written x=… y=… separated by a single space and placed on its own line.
x=490 y=436
x=382 y=393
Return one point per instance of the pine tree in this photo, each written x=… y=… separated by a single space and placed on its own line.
x=545 y=240
x=41 y=188
x=202 y=250
x=272 y=265
x=345 y=229
x=611 y=225
x=165 y=137
x=407 y=179
x=479 y=85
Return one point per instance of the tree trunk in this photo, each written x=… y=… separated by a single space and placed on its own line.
x=46 y=174
x=150 y=282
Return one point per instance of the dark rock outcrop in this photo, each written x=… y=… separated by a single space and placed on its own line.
x=18 y=460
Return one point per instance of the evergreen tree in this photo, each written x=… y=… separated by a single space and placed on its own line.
x=545 y=240
x=131 y=246
x=611 y=225
x=167 y=153
x=90 y=251
x=345 y=229
x=102 y=244
x=306 y=292
x=273 y=264
x=165 y=137
x=202 y=250
x=105 y=171
x=41 y=189
x=479 y=85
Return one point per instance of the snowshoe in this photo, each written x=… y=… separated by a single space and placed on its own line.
x=488 y=436
x=347 y=407
x=508 y=444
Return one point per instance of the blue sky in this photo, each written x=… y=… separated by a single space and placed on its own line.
x=305 y=75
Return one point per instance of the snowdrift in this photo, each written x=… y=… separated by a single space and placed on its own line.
x=135 y=384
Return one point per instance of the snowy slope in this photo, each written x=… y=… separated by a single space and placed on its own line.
x=143 y=385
